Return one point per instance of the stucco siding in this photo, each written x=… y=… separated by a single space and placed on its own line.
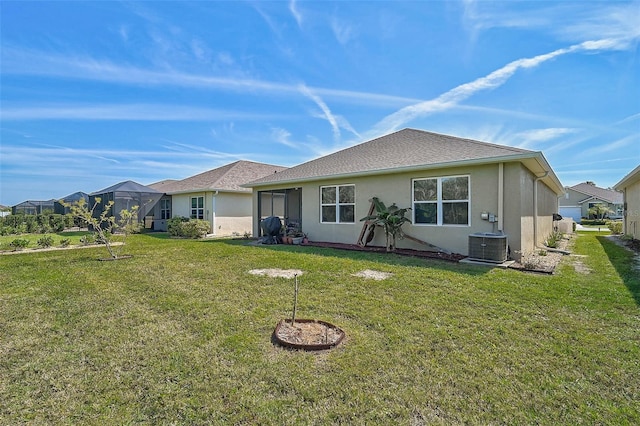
x=632 y=217
x=232 y=214
x=397 y=188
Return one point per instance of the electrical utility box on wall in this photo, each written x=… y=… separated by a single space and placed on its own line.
x=488 y=247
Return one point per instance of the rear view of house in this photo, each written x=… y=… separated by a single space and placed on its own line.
x=455 y=188
x=215 y=196
x=580 y=198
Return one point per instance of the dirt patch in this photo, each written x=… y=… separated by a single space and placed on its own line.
x=452 y=257
x=308 y=334
x=581 y=268
x=374 y=275
x=282 y=273
x=543 y=260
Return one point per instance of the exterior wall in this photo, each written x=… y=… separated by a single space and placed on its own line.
x=232 y=214
x=517 y=222
x=573 y=198
x=547 y=205
x=632 y=214
x=227 y=213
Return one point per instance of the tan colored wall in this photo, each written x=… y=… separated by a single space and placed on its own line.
x=398 y=188
x=632 y=217
x=232 y=214
x=226 y=212
x=519 y=183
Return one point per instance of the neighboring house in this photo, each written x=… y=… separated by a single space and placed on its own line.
x=126 y=195
x=59 y=208
x=578 y=199
x=215 y=196
x=33 y=207
x=4 y=210
x=629 y=186
x=455 y=187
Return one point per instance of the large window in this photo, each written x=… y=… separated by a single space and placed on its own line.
x=197 y=207
x=338 y=204
x=441 y=201
x=165 y=209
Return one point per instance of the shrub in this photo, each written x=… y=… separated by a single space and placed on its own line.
x=593 y=222
x=552 y=240
x=46 y=241
x=88 y=239
x=65 y=242
x=187 y=228
x=18 y=244
x=615 y=227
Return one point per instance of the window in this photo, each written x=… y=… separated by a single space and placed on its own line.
x=165 y=209
x=441 y=201
x=197 y=207
x=338 y=204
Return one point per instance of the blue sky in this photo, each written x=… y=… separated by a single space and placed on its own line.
x=93 y=93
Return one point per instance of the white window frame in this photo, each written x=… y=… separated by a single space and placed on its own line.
x=338 y=204
x=439 y=201
x=199 y=211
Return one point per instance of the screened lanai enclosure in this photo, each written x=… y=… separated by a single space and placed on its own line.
x=125 y=195
x=283 y=203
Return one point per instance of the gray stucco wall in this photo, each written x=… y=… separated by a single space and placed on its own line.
x=397 y=188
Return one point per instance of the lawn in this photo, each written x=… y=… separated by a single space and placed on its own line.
x=181 y=334
x=72 y=236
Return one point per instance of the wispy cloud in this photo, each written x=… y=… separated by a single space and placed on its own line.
x=293 y=8
x=33 y=62
x=533 y=137
x=341 y=30
x=325 y=111
x=619 y=145
x=491 y=81
x=126 y=112
x=568 y=21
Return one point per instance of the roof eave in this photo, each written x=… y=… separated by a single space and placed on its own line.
x=630 y=178
x=539 y=159
x=188 y=191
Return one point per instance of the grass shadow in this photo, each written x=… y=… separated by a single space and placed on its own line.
x=387 y=258
x=623 y=261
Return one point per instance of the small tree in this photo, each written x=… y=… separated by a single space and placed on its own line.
x=391 y=219
x=105 y=225
x=599 y=211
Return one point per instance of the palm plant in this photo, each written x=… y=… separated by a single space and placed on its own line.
x=390 y=218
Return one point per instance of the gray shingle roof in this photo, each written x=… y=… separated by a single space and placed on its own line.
x=226 y=178
x=404 y=149
x=126 y=186
x=592 y=191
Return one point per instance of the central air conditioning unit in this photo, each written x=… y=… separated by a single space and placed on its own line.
x=488 y=247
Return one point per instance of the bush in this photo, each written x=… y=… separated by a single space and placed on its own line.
x=593 y=222
x=552 y=240
x=18 y=244
x=46 y=241
x=88 y=239
x=187 y=228
x=615 y=227
x=65 y=242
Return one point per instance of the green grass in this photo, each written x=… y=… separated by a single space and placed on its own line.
x=73 y=236
x=181 y=334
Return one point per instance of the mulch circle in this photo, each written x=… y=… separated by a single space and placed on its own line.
x=452 y=257
x=307 y=334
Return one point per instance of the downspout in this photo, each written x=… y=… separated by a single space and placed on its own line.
x=535 y=208
x=501 y=197
x=213 y=213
